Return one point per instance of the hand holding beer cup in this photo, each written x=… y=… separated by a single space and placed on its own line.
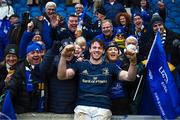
x=131 y=49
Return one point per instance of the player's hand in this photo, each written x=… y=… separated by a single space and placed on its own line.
x=68 y=51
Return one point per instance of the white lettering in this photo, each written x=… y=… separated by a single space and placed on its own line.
x=159 y=104
x=150 y=75
x=164 y=75
x=94 y=81
x=164 y=86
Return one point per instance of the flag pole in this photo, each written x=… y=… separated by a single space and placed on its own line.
x=137 y=89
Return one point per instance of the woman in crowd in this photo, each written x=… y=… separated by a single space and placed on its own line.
x=120 y=102
x=123 y=21
x=7 y=67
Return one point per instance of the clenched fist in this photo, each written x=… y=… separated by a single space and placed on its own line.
x=68 y=50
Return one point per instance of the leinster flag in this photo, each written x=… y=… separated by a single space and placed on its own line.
x=162 y=85
x=8 y=112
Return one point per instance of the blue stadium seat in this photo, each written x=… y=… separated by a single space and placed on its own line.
x=59 y=9
x=15 y=1
x=70 y=10
x=62 y=1
x=170 y=25
x=89 y=13
x=177 y=1
x=23 y=2
x=177 y=20
x=56 y=1
x=173 y=14
x=35 y=14
x=168 y=19
x=22 y=10
x=176 y=30
x=16 y=7
x=173 y=9
x=34 y=8
x=63 y=14
x=62 y=5
x=94 y=18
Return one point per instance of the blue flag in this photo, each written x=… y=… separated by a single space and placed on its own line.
x=85 y=2
x=162 y=84
x=8 y=112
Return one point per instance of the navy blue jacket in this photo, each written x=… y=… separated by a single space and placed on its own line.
x=23 y=100
x=3 y=42
x=61 y=93
x=112 y=10
x=105 y=39
x=25 y=40
x=3 y=74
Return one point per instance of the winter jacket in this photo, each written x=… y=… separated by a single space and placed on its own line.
x=61 y=94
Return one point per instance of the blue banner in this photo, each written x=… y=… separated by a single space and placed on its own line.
x=8 y=112
x=162 y=84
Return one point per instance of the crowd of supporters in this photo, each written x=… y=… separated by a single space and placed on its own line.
x=65 y=65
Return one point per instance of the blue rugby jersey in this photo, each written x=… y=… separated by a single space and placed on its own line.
x=95 y=82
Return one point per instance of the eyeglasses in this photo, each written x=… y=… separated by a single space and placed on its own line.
x=120 y=35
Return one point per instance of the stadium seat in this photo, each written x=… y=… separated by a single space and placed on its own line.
x=177 y=20
x=35 y=14
x=62 y=1
x=56 y=1
x=170 y=25
x=177 y=2
x=94 y=18
x=62 y=5
x=173 y=14
x=63 y=14
x=168 y=19
x=89 y=13
x=34 y=8
x=16 y=7
x=176 y=30
x=23 y=2
x=21 y=10
x=70 y=10
x=59 y=9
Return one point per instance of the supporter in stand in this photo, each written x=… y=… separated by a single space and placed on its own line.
x=95 y=79
x=7 y=67
x=112 y=8
x=26 y=86
x=61 y=95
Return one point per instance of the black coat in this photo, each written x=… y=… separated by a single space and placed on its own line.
x=61 y=96
x=143 y=42
x=23 y=100
x=171 y=50
x=3 y=74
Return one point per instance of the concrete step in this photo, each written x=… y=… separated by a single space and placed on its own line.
x=52 y=116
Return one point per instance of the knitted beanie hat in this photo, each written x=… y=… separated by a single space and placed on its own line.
x=156 y=19
x=11 y=49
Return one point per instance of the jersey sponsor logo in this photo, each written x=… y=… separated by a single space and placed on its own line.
x=94 y=81
x=105 y=71
x=85 y=72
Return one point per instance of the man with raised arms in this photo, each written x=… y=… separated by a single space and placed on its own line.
x=95 y=80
